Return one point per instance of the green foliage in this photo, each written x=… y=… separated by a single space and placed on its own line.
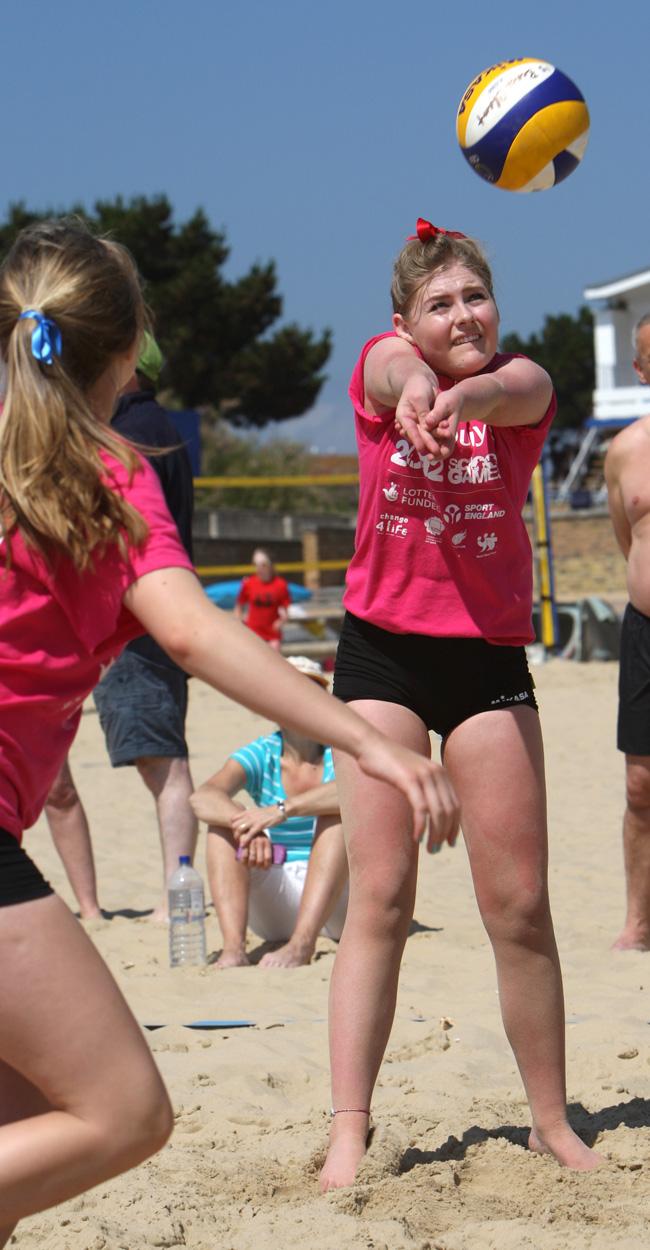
x=565 y=348
x=215 y=334
x=233 y=455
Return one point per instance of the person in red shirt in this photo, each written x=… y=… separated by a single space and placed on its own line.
x=263 y=600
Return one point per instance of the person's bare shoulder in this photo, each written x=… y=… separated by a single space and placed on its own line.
x=634 y=440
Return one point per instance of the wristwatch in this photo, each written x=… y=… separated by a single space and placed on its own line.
x=282 y=807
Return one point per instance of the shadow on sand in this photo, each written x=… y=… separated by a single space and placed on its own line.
x=587 y=1124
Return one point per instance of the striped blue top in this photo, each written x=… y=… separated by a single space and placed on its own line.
x=262 y=763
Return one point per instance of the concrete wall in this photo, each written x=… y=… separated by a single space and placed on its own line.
x=586 y=558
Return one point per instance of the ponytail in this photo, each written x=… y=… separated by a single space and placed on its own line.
x=83 y=294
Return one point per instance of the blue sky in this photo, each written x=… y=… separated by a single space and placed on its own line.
x=315 y=134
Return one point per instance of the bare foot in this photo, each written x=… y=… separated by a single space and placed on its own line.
x=233 y=959
x=160 y=915
x=292 y=955
x=348 y=1145
x=632 y=940
x=90 y=913
x=566 y=1147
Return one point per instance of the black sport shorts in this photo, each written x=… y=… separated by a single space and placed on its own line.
x=633 y=731
x=20 y=879
x=443 y=680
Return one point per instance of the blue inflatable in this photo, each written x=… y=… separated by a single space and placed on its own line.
x=224 y=594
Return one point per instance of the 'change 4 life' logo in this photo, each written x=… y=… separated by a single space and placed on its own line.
x=389 y=523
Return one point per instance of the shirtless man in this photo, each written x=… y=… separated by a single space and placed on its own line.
x=627 y=473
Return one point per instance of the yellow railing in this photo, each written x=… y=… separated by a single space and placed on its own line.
x=305 y=479
x=292 y=566
x=544 y=560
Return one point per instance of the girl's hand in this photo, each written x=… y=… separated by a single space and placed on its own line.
x=252 y=821
x=258 y=853
x=424 y=783
x=441 y=423
x=432 y=432
x=413 y=410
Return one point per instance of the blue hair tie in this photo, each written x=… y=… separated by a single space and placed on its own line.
x=46 y=336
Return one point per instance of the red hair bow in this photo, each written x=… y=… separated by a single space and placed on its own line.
x=426 y=231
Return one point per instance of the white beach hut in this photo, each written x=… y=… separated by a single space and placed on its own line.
x=618 y=305
x=619 y=397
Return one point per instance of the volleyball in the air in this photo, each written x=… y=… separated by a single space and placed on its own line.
x=523 y=125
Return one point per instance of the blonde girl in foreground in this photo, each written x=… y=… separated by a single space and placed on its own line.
x=92 y=559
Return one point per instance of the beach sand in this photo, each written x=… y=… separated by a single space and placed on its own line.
x=448 y=1168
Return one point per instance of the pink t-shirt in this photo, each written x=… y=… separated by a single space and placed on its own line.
x=441 y=547
x=59 y=629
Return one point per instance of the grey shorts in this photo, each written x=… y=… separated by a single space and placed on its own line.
x=142 y=708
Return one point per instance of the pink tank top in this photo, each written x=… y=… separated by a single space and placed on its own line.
x=441 y=547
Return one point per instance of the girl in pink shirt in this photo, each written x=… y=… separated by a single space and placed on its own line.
x=439 y=599
x=91 y=559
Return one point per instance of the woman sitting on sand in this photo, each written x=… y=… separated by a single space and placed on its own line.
x=290 y=779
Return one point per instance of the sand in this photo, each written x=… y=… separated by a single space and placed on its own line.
x=448 y=1168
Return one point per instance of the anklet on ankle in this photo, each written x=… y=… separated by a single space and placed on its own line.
x=351 y=1111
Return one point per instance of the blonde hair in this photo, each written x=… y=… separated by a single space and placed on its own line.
x=418 y=261
x=53 y=480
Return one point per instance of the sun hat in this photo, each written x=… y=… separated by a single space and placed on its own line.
x=310 y=668
x=150 y=360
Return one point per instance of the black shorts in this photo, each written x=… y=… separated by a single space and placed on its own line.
x=142 y=708
x=633 y=730
x=443 y=680
x=20 y=879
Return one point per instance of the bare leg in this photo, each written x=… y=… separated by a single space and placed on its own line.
x=327 y=873
x=496 y=763
x=81 y=1098
x=5 y=1234
x=363 y=990
x=71 y=835
x=229 y=882
x=170 y=782
x=636 y=852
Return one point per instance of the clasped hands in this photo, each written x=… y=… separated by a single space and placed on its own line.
x=429 y=418
x=248 y=826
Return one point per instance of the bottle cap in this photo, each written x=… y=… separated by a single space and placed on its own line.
x=184 y=859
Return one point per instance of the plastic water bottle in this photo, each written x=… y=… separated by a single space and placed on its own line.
x=186 y=916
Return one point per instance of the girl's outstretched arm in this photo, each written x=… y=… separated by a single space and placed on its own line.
x=517 y=393
x=172 y=606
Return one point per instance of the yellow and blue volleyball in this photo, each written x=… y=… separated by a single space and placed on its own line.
x=523 y=125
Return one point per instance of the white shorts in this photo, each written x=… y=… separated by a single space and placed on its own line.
x=274 y=899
